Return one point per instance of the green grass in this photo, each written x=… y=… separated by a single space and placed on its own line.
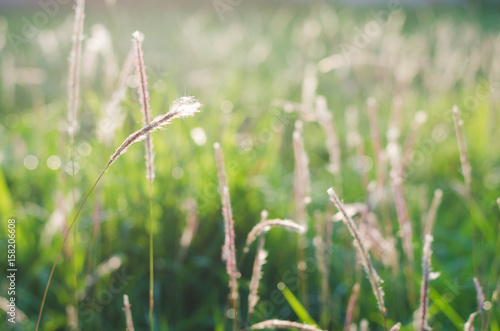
x=255 y=55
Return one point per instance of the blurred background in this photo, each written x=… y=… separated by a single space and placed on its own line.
x=255 y=66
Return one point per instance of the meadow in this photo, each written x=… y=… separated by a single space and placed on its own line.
x=296 y=98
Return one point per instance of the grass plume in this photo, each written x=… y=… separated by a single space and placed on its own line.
x=228 y=250
x=267 y=225
x=260 y=260
x=427 y=275
x=74 y=68
x=184 y=107
x=431 y=215
x=375 y=280
x=140 y=71
x=279 y=324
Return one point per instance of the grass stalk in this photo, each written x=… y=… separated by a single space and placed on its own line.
x=279 y=324
x=375 y=280
x=128 y=313
x=350 y=306
x=184 y=107
x=259 y=261
x=228 y=250
x=150 y=174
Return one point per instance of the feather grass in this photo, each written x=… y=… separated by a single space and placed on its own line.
x=375 y=280
x=260 y=260
x=150 y=173
x=228 y=250
x=279 y=324
x=185 y=106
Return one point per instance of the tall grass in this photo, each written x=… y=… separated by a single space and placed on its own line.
x=184 y=107
x=150 y=172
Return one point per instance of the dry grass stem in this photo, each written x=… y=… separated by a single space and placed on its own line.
x=480 y=298
x=431 y=215
x=279 y=324
x=228 y=250
x=365 y=257
x=267 y=225
x=183 y=107
x=74 y=69
x=140 y=71
x=468 y=325
x=421 y=322
x=396 y=327
x=350 y=306
x=351 y=209
x=462 y=147
x=128 y=313
x=260 y=260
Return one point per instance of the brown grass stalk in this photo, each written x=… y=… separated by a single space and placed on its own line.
x=228 y=250
x=430 y=218
x=128 y=313
x=350 y=306
x=140 y=71
x=267 y=225
x=421 y=323
x=74 y=69
x=480 y=300
x=468 y=325
x=375 y=280
x=260 y=260
x=279 y=324
x=462 y=147
x=150 y=173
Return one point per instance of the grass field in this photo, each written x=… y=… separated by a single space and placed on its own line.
x=257 y=69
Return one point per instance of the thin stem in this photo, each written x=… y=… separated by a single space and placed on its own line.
x=64 y=242
x=151 y=275
x=75 y=239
